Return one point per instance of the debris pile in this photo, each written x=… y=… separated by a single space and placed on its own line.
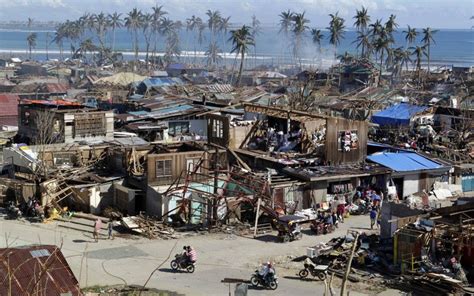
x=148 y=227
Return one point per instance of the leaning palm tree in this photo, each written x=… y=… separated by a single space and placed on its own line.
x=362 y=19
x=31 y=39
x=133 y=22
x=410 y=35
x=115 y=22
x=241 y=40
x=170 y=29
x=299 y=28
x=336 y=31
x=427 y=39
x=418 y=52
x=391 y=26
x=100 y=25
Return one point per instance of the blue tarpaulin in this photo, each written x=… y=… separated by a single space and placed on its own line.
x=403 y=161
x=399 y=114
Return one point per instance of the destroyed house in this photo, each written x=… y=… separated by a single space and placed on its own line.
x=152 y=169
x=47 y=122
x=292 y=138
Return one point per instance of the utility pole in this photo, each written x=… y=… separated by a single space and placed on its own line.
x=349 y=263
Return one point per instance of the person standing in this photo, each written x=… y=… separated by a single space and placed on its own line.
x=373 y=217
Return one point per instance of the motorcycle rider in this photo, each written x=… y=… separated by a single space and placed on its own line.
x=191 y=255
x=266 y=271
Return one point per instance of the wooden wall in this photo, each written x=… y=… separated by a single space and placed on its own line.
x=178 y=164
x=335 y=125
x=224 y=140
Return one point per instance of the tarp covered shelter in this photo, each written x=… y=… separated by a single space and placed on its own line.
x=399 y=114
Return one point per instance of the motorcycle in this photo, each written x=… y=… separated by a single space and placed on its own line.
x=13 y=211
x=321 y=228
x=319 y=271
x=180 y=263
x=271 y=282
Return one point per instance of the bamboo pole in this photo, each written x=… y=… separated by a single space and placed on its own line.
x=348 y=267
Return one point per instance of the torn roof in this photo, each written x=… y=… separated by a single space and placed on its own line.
x=45 y=264
x=9 y=104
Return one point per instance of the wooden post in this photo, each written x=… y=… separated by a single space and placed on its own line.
x=349 y=263
x=256 y=218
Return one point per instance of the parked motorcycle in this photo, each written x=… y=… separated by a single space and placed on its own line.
x=13 y=211
x=321 y=228
x=271 y=282
x=180 y=263
x=319 y=271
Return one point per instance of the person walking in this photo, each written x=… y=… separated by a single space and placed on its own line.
x=110 y=229
x=373 y=217
x=97 y=227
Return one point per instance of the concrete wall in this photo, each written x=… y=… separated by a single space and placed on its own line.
x=154 y=201
x=411 y=184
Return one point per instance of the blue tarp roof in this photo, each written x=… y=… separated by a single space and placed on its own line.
x=399 y=114
x=162 y=81
x=404 y=161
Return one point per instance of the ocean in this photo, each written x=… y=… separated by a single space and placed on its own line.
x=452 y=47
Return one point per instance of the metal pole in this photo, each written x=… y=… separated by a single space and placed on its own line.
x=348 y=267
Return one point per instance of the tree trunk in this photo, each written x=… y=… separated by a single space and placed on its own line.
x=241 y=67
x=113 y=40
x=428 y=58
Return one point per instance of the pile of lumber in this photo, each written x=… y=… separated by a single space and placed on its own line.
x=148 y=227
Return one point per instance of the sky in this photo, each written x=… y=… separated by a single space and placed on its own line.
x=449 y=14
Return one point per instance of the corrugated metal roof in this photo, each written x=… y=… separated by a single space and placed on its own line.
x=56 y=88
x=9 y=104
x=404 y=161
x=36 y=270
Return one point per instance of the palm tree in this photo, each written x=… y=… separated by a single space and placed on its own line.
x=30 y=23
x=133 y=22
x=170 y=29
x=100 y=24
x=59 y=37
x=336 y=31
x=286 y=21
x=214 y=18
x=363 y=40
x=86 y=46
x=375 y=28
x=213 y=56
x=299 y=28
x=401 y=57
x=381 y=45
x=147 y=27
x=427 y=39
x=241 y=39
x=224 y=29
x=391 y=26
x=362 y=19
x=410 y=35
x=418 y=52
x=115 y=22
x=255 y=32
x=317 y=37
x=158 y=14
x=346 y=58
x=31 y=39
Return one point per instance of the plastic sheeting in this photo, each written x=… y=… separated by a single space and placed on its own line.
x=399 y=114
x=403 y=161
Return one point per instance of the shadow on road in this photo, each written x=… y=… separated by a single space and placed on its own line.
x=78 y=241
x=169 y=270
x=267 y=238
x=290 y=277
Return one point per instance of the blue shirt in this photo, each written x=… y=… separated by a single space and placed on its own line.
x=373 y=214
